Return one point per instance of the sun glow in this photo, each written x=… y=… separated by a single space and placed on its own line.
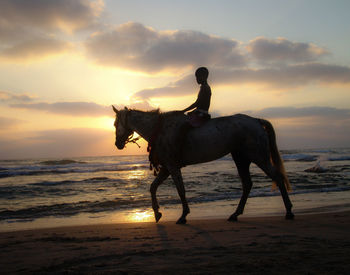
x=107 y=123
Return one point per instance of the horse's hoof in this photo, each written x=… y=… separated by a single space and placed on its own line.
x=157 y=215
x=232 y=218
x=289 y=216
x=181 y=221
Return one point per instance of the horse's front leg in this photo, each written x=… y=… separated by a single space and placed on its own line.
x=177 y=178
x=163 y=174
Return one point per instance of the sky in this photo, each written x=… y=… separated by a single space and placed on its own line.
x=64 y=63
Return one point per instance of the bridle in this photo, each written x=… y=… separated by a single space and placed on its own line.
x=130 y=138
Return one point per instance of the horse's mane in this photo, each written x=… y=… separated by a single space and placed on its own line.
x=159 y=112
x=155 y=111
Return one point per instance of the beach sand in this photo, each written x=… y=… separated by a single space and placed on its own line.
x=310 y=244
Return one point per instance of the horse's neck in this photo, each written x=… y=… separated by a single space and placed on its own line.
x=143 y=123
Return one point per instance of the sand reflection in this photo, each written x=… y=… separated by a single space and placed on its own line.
x=139 y=215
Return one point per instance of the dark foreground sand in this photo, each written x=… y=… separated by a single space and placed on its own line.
x=311 y=244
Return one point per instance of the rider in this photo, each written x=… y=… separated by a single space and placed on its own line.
x=200 y=113
x=203 y=99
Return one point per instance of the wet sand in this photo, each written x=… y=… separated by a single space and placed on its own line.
x=310 y=244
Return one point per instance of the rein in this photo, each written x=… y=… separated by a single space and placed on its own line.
x=155 y=133
x=130 y=139
x=153 y=158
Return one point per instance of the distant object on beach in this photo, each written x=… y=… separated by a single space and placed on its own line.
x=317 y=169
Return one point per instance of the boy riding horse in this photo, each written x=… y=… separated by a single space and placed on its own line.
x=200 y=113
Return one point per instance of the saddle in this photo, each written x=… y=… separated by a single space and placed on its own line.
x=197 y=118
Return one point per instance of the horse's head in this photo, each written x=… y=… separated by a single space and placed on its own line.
x=122 y=130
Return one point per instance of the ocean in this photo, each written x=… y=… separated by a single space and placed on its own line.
x=53 y=192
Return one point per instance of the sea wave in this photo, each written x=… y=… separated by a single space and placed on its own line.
x=58 y=189
x=299 y=157
x=340 y=158
x=71 y=209
x=60 y=162
x=66 y=187
x=53 y=169
x=63 y=182
x=30 y=192
x=312 y=157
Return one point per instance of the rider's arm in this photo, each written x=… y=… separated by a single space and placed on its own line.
x=194 y=105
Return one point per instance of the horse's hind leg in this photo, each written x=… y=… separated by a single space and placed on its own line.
x=163 y=174
x=243 y=171
x=276 y=176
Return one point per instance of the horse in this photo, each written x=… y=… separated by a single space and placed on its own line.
x=247 y=139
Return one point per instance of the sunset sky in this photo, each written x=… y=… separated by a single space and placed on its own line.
x=64 y=63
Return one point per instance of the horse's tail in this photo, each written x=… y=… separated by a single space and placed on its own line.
x=274 y=153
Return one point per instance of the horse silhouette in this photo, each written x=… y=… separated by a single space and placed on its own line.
x=248 y=139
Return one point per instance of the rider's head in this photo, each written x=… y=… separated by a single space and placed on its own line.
x=202 y=75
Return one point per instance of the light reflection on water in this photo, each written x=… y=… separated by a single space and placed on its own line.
x=136 y=174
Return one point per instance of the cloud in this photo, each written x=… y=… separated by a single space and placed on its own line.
x=68 y=108
x=281 y=49
x=75 y=135
x=302 y=133
x=63 y=143
x=308 y=127
x=8 y=123
x=285 y=63
x=294 y=112
x=12 y=97
x=181 y=87
x=287 y=76
x=34 y=48
x=59 y=143
x=29 y=29
x=136 y=47
x=281 y=78
x=82 y=109
x=139 y=105
x=324 y=134
x=63 y=15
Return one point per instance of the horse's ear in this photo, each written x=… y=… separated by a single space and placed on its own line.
x=115 y=110
x=126 y=108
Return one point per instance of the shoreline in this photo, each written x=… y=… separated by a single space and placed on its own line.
x=307 y=203
x=312 y=243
